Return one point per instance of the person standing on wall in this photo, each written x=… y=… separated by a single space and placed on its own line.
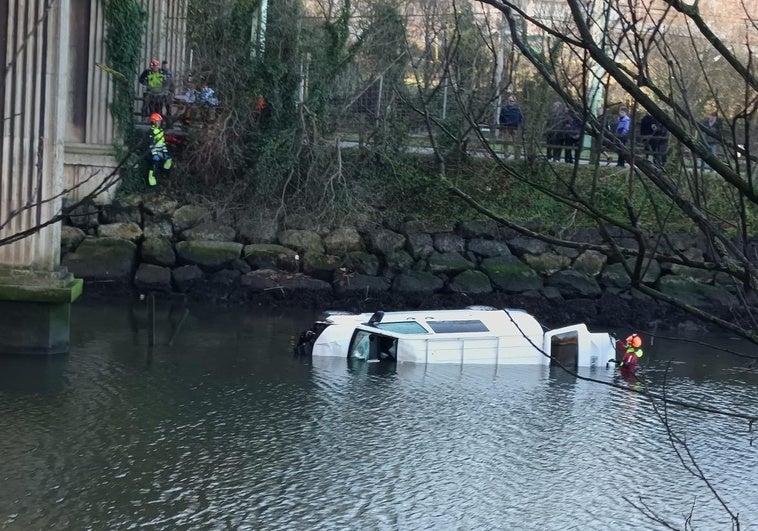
x=156 y=84
x=169 y=75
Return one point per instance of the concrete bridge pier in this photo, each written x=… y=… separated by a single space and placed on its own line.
x=36 y=310
x=35 y=295
x=57 y=137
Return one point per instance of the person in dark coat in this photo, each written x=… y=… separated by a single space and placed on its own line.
x=511 y=120
x=572 y=137
x=554 y=131
x=711 y=130
x=646 y=134
x=655 y=139
x=660 y=144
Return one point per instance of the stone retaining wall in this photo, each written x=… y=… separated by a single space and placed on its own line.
x=153 y=244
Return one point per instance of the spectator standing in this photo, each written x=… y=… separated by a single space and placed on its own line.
x=606 y=131
x=572 y=137
x=554 y=131
x=623 y=125
x=711 y=128
x=655 y=139
x=646 y=134
x=660 y=144
x=511 y=120
x=169 y=75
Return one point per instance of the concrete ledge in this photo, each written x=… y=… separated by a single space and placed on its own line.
x=38 y=286
x=90 y=155
x=69 y=293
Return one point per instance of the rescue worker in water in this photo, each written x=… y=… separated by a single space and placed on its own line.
x=632 y=353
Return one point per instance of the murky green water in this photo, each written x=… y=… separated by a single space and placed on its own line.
x=223 y=429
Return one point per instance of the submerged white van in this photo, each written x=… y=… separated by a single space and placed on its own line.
x=473 y=335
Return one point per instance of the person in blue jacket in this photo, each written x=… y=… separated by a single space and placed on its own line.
x=511 y=119
x=623 y=125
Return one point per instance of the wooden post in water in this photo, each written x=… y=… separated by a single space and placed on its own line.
x=151 y=319
x=185 y=314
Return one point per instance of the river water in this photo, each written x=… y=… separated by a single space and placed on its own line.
x=218 y=427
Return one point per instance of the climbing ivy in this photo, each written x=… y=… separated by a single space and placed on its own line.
x=123 y=43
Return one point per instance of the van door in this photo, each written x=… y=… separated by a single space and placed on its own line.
x=365 y=345
x=564 y=350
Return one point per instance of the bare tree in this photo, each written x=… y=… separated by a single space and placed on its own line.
x=659 y=58
x=595 y=55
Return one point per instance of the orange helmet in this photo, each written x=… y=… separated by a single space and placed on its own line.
x=634 y=340
x=155 y=62
x=155 y=118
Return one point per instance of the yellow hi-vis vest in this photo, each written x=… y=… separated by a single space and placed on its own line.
x=155 y=81
x=158 y=146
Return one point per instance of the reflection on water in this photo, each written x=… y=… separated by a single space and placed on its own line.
x=29 y=375
x=222 y=428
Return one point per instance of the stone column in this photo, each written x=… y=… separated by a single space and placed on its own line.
x=35 y=296
x=33 y=112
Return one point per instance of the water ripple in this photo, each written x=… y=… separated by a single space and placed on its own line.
x=226 y=431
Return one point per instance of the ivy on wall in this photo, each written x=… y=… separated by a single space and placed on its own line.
x=124 y=21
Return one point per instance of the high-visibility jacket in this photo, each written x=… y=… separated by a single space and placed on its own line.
x=158 y=143
x=154 y=80
x=631 y=357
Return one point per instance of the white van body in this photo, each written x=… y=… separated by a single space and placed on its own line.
x=475 y=335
